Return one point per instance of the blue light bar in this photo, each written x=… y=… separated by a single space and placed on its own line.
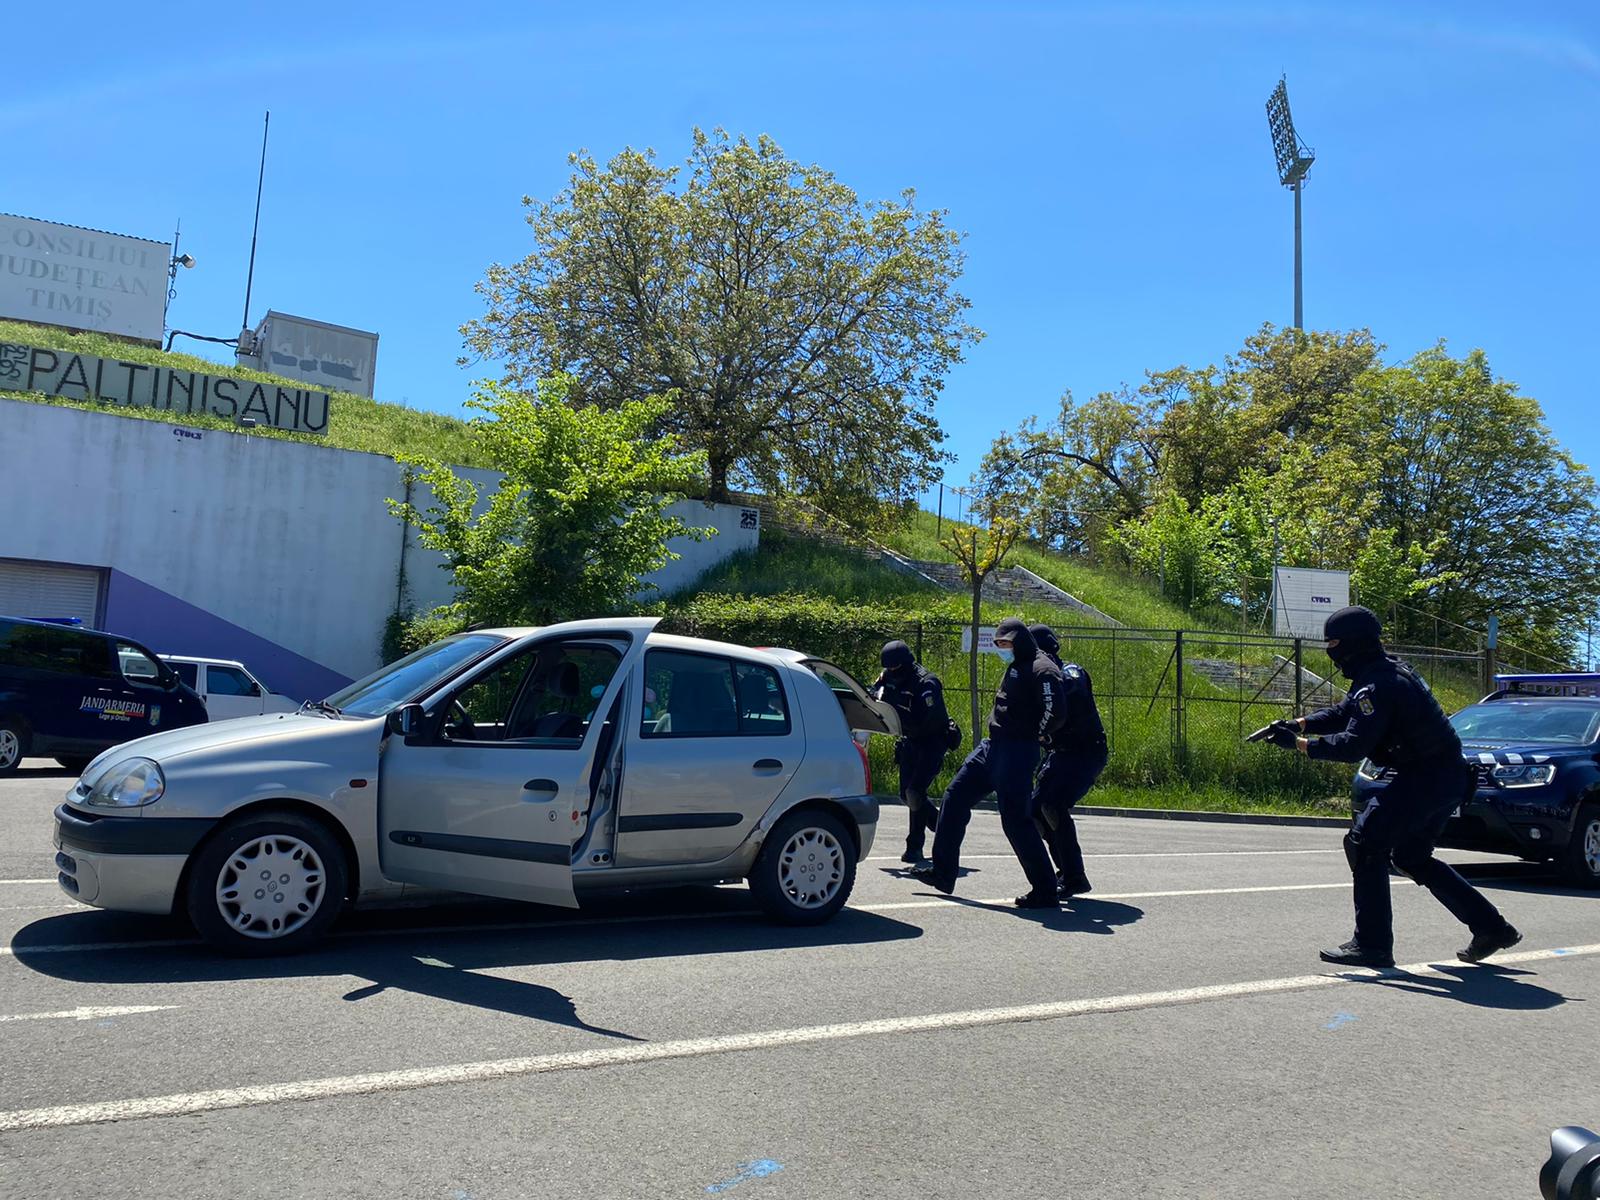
x=1571 y=683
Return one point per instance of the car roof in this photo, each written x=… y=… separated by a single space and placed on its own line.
x=210 y=662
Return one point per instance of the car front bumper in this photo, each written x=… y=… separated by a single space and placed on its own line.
x=125 y=863
x=1530 y=828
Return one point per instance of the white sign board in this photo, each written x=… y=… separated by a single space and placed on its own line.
x=985 y=640
x=333 y=357
x=1304 y=598
x=82 y=278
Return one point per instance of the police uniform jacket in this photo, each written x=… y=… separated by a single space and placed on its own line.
x=920 y=703
x=1030 y=704
x=1390 y=717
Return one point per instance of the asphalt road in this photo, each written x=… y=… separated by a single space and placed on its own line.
x=1172 y=1034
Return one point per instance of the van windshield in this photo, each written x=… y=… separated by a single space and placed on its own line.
x=413 y=676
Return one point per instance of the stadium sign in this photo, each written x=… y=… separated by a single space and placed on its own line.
x=82 y=278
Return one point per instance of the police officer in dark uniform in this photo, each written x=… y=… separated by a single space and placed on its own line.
x=1392 y=718
x=1027 y=710
x=1074 y=757
x=918 y=696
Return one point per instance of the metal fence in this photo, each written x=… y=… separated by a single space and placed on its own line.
x=1177 y=704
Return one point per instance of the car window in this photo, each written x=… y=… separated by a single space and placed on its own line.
x=137 y=666
x=1550 y=722
x=188 y=672
x=414 y=676
x=762 y=708
x=704 y=695
x=544 y=696
x=54 y=649
x=228 y=681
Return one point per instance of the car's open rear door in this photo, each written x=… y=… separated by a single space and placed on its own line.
x=861 y=712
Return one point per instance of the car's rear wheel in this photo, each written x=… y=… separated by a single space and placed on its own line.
x=1582 y=862
x=269 y=884
x=13 y=744
x=806 y=868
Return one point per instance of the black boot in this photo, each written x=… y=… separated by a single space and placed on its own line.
x=1037 y=900
x=1353 y=954
x=930 y=875
x=1485 y=944
x=1072 y=887
x=915 y=839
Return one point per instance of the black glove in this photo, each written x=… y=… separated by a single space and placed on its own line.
x=1283 y=734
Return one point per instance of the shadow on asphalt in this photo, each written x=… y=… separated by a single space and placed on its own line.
x=436 y=951
x=1082 y=914
x=1483 y=985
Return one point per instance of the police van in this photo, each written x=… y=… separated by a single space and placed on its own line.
x=69 y=693
x=1534 y=744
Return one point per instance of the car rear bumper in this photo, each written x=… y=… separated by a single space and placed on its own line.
x=126 y=863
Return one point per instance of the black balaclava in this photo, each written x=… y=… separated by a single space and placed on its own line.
x=1023 y=647
x=1045 y=638
x=898 y=660
x=1360 y=638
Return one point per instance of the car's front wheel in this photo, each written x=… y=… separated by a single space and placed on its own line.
x=806 y=868
x=13 y=744
x=267 y=884
x=1582 y=864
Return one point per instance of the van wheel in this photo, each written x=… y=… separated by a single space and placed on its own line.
x=806 y=868
x=269 y=884
x=13 y=744
x=1582 y=862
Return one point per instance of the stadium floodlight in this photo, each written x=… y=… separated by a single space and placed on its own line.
x=1294 y=160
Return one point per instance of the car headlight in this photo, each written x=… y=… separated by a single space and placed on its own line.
x=1368 y=771
x=1526 y=775
x=132 y=783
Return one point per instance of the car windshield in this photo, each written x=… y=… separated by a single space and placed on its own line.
x=1546 y=722
x=413 y=676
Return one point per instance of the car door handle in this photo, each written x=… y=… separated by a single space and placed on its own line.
x=767 y=764
x=548 y=788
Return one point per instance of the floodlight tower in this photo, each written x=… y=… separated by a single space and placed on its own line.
x=1294 y=160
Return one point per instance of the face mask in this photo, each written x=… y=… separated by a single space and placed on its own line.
x=1006 y=656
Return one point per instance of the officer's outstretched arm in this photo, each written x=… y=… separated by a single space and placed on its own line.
x=1328 y=720
x=1361 y=735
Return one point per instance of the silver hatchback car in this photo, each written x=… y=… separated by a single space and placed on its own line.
x=528 y=764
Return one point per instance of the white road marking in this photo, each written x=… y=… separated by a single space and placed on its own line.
x=4 y=881
x=90 y=1014
x=580 y=922
x=183 y=1103
x=1238 y=891
x=1150 y=854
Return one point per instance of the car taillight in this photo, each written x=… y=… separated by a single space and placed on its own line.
x=866 y=766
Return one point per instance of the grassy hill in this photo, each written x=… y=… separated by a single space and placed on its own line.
x=842 y=605
x=354 y=422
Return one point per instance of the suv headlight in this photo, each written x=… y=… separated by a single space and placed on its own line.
x=1527 y=775
x=132 y=783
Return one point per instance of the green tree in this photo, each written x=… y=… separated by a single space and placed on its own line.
x=804 y=333
x=1178 y=544
x=578 y=518
x=1461 y=464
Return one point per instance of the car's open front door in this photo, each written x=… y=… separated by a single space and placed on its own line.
x=493 y=792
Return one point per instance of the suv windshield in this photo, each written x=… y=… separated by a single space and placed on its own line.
x=413 y=676
x=1546 y=722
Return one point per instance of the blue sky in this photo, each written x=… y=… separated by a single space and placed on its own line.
x=1110 y=163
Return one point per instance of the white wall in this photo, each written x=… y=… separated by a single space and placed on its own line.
x=291 y=541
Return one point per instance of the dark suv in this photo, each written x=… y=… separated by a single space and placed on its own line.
x=70 y=693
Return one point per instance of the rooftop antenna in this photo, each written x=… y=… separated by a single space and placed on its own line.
x=246 y=338
x=1294 y=160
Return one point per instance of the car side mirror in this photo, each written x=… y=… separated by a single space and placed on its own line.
x=406 y=720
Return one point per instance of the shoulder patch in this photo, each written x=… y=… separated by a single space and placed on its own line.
x=1364 y=701
x=1074 y=671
